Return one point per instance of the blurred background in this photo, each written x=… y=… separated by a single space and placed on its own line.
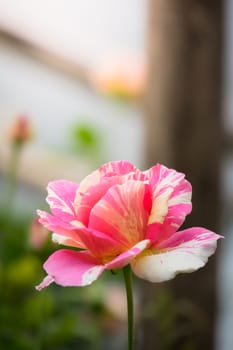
x=82 y=83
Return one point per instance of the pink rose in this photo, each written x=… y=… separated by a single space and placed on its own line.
x=119 y=215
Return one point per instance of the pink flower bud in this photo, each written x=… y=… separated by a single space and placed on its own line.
x=20 y=130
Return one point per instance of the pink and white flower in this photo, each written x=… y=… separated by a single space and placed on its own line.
x=119 y=215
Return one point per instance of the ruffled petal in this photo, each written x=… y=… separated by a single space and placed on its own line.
x=95 y=185
x=60 y=198
x=85 y=184
x=71 y=268
x=51 y=222
x=68 y=239
x=99 y=244
x=187 y=251
x=122 y=213
x=171 y=201
x=121 y=167
x=85 y=202
x=64 y=232
x=124 y=258
x=189 y=238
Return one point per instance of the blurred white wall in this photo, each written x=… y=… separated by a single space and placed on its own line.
x=84 y=30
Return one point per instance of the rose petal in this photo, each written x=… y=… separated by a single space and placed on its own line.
x=45 y=283
x=93 y=194
x=122 y=214
x=71 y=268
x=85 y=184
x=67 y=240
x=171 y=201
x=189 y=238
x=161 y=178
x=124 y=258
x=94 y=186
x=51 y=222
x=192 y=252
x=99 y=244
x=60 y=198
x=121 y=167
x=65 y=233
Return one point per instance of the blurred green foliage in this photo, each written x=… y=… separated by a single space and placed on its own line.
x=85 y=140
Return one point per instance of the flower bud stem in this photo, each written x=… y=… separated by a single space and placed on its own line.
x=12 y=176
x=129 y=293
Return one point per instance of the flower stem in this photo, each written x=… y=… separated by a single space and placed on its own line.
x=12 y=176
x=129 y=292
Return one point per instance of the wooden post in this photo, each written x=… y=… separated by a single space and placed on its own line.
x=183 y=130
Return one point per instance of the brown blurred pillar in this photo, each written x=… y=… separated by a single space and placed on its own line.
x=183 y=130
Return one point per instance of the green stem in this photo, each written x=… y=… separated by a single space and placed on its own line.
x=6 y=203
x=12 y=175
x=129 y=293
